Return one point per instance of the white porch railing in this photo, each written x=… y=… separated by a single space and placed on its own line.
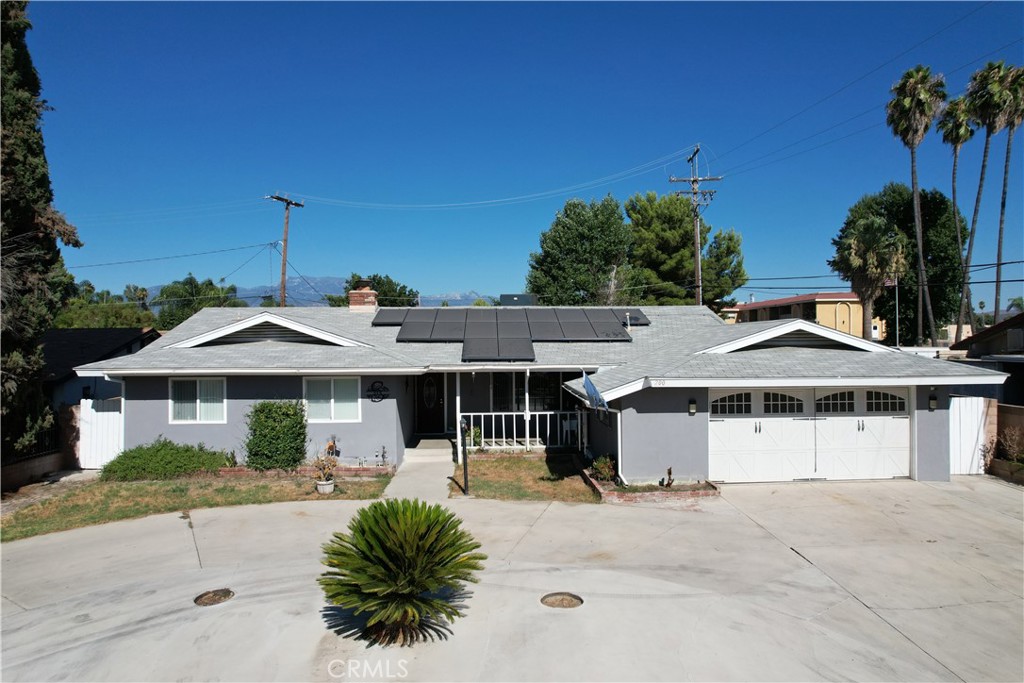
x=522 y=431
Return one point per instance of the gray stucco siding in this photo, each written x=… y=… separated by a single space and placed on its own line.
x=931 y=435
x=383 y=423
x=658 y=432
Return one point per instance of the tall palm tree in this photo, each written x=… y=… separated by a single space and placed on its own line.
x=917 y=98
x=1013 y=116
x=987 y=102
x=868 y=253
x=957 y=129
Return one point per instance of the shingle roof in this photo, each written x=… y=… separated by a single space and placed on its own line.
x=669 y=348
x=64 y=349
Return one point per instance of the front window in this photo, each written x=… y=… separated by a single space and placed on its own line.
x=332 y=399
x=198 y=400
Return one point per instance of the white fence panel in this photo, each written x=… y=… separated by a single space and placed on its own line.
x=100 y=432
x=966 y=435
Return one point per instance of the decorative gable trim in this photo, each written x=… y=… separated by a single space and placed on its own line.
x=259 y=319
x=798 y=326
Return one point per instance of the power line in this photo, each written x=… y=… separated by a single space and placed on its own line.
x=167 y=258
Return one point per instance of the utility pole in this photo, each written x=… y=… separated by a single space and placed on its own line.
x=698 y=198
x=288 y=204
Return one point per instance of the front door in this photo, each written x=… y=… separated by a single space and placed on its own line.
x=430 y=404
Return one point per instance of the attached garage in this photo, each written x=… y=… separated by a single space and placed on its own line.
x=786 y=434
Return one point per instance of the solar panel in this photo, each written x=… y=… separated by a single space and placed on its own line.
x=580 y=331
x=480 y=349
x=481 y=314
x=611 y=331
x=513 y=330
x=546 y=331
x=541 y=315
x=601 y=315
x=481 y=330
x=415 y=332
x=451 y=315
x=571 y=315
x=511 y=315
x=389 y=317
x=448 y=331
x=421 y=315
x=515 y=349
x=636 y=316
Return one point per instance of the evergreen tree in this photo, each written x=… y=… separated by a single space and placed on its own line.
x=390 y=292
x=33 y=281
x=182 y=299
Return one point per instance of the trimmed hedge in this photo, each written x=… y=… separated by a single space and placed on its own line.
x=277 y=435
x=162 y=459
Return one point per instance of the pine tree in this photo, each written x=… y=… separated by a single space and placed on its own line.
x=34 y=283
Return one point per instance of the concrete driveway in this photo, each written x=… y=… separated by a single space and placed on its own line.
x=891 y=581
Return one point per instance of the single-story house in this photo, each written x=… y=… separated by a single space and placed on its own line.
x=663 y=387
x=66 y=348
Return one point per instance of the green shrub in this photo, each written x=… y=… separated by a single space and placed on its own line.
x=604 y=468
x=404 y=562
x=277 y=435
x=162 y=459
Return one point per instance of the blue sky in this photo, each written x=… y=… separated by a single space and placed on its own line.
x=172 y=121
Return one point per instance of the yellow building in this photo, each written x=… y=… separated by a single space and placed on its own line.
x=841 y=311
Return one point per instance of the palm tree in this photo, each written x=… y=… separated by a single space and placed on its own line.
x=987 y=97
x=1013 y=116
x=916 y=100
x=868 y=253
x=957 y=129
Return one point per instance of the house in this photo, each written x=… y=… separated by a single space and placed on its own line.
x=841 y=311
x=1000 y=347
x=673 y=386
x=66 y=348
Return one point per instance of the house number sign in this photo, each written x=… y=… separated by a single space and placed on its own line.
x=377 y=392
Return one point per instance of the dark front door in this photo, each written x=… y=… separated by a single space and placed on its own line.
x=430 y=404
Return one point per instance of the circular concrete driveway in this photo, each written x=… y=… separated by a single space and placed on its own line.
x=891 y=580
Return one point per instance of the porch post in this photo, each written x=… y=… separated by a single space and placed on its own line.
x=458 y=414
x=526 y=394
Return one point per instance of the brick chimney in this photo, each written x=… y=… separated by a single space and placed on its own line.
x=362 y=297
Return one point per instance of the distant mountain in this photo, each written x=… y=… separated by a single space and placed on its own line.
x=308 y=291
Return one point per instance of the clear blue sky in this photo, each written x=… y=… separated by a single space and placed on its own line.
x=171 y=121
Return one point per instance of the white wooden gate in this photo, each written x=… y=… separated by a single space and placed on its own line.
x=100 y=432
x=967 y=417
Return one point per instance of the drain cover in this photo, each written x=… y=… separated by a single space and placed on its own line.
x=562 y=600
x=214 y=597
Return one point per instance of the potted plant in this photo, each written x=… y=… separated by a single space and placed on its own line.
x=324 y=467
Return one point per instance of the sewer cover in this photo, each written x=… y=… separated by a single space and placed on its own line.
x=562 y=600
x=214 y=597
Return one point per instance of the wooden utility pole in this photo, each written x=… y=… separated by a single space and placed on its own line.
x=698 y=198
x=288 y=204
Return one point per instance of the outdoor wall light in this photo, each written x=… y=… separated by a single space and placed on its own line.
x=693 y=407
x=933 y=403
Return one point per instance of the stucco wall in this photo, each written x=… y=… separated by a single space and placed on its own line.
x=931 y=434
x=658 y=433
x=383 y=423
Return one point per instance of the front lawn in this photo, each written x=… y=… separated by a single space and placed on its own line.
x=517 y=477
x=109 y=501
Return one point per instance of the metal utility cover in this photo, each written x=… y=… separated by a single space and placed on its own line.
x=518 y=330
x=480 y=349
x=389 y=317
x=515 y=349
x=415 y=332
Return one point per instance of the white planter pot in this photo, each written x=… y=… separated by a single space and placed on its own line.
x=325 y=486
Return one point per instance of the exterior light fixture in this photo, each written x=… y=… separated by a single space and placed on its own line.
x=693 y=407
x=933 y=403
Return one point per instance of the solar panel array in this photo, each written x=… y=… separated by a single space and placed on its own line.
x=508 y=333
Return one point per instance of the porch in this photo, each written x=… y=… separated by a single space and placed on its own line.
x=512 y=431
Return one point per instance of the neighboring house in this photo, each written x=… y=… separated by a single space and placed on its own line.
x=765 y=401
x=841 y=311
x=1000 y=347
x=64 y=349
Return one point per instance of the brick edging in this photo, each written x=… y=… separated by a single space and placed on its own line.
x=611 y=495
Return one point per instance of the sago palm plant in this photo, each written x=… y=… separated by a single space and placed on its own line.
x=401 y=561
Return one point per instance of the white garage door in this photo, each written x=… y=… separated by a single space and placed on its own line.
x=787 y=434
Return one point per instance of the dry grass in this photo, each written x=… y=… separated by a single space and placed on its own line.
x=515 y=477
x=102 y=502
